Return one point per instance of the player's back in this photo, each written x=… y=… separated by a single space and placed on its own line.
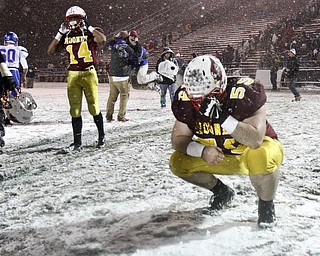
x=12 y=55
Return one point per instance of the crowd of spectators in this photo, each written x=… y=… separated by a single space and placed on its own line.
x=288 y=34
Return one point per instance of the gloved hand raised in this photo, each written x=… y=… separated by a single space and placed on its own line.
x=88 y=26
x=63 y=29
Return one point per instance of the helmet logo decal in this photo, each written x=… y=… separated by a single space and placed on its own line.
x=204 y=77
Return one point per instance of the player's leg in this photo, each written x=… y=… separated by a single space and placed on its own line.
x=90 y=87
x=198 y=172
x=263 y=164
x=75 y=101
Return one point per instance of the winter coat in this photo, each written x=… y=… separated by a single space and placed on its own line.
x=293 y=67
x=120 y=53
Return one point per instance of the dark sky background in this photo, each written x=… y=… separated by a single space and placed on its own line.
x=36 y=22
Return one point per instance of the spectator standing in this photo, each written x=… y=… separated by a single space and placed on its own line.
x=31 y=74
x=220 y=132
x=81 y=41
x=170 y=38
x=274 y=71
x=167 y=67
x=164 y=39
x=292 y=73
x=119 y=74
x=182 y=66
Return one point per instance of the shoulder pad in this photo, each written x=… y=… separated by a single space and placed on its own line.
x=24 y=51
x=245 y=81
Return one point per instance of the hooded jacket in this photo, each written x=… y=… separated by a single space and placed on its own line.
x=119 y=63
x=167 y=68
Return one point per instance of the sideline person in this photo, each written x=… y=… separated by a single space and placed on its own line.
x=167 y=67
x=221 y=129
x=119 y=75
x=292 y=73
x=80 y=40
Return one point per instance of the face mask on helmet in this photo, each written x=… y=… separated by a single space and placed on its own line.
x=204 y=77
x=75 y=17
x=11 y=37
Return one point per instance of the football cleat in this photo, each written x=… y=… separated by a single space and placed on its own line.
x=266 y=214
x=101 y=142
x=221 y=199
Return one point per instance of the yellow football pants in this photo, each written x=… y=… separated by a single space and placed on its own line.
x=80 y=82
x=264 y=160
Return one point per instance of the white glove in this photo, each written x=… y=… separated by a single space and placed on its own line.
x=63 y=30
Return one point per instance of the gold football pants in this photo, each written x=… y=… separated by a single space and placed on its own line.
x=80 y=82
x=264 y=160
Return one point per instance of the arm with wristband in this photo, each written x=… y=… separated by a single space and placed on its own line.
x=99 y=37
x=182 y=141
x=249 y=132
x=54 y=45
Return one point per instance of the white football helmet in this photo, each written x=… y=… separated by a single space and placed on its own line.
x=75 y=17
x=204 y=77
x=22 y=109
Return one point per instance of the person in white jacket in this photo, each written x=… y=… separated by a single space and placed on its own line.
x=167 y=67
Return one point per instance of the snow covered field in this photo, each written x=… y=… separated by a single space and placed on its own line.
x=123 y=200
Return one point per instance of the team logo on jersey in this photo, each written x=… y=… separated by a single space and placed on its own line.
x=75 y=39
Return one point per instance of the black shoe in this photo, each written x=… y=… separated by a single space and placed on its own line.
x=266 y=214
x=223 y=198
x=101 y=142
x=297 y=98
x=2 y=143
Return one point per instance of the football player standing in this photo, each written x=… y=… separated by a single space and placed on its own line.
x=80 y=40
x=221 y=129
x=7 y=84
x=14 y=56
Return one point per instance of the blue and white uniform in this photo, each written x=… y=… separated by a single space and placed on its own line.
x=14 y=56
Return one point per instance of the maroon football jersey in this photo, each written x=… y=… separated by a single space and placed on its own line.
x=81 y=49
x=242 y=97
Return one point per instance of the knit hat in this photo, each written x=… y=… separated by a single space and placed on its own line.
x=133 y=33
x=166 y=50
